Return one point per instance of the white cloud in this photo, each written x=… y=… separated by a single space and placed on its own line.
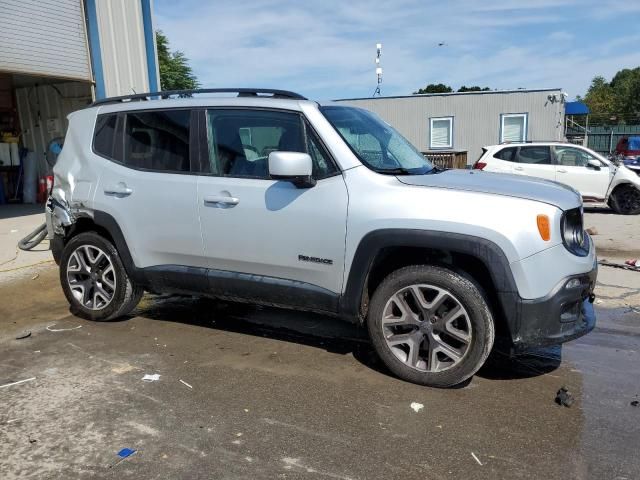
x=326 y=49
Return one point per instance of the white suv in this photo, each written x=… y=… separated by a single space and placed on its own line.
x=598 y=179
x=266 y=197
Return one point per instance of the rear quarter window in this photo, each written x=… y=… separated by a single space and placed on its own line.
x=104 y=135
x=507 y=154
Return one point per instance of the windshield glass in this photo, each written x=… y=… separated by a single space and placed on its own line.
x=377 y=144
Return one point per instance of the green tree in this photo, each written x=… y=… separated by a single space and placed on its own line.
x=435 y=88
x=626 y=90
x=600 y=97
x=175 y=72
x=473 y=89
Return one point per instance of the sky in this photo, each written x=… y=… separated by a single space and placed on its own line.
x=326 y=49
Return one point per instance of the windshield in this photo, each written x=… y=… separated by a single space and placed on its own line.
x=376 y=143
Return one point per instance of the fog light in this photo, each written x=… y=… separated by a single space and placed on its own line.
x=573 y=283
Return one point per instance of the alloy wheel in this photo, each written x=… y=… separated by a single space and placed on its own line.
x=426 y=327
x=91 y=277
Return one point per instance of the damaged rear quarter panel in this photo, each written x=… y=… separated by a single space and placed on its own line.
x=75 y=178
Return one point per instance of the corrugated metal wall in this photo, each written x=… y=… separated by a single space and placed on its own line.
x=122 y=44
x=476 y=120
x=37 y=105
x=44 y=38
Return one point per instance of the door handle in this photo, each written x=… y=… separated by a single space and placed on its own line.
x=119 y=190
x=221 y=200
x=561 y=170
x=518 y=168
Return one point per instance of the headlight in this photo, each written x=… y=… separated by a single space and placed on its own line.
x=573 y=235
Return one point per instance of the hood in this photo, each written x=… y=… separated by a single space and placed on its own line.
x=530 y=188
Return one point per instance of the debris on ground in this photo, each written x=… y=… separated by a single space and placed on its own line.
x=153 y=377
x=185 y=383
x=476 y=458
x=61 y=329
x=635 y=403
x=416 y=407
x=123 y=454
x=17 y=383
x=23 y=335
x=634 y=267
x=35 y=276
x=564 y=397
x=592 y=231
x=31 y=440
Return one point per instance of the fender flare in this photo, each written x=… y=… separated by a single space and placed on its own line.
x=486 y=251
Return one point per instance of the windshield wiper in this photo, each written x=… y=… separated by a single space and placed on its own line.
x=393 y=171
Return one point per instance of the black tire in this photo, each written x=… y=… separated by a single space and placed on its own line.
x=126 y=294
x=625 y=200
x=466 y=293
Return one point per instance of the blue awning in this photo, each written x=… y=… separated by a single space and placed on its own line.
x=576 y=108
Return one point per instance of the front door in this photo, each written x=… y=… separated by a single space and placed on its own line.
x=267 y=238
x=573 y=169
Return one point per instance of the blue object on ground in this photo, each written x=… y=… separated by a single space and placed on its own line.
x=126 y=452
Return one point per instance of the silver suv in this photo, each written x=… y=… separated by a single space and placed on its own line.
x=266 y=197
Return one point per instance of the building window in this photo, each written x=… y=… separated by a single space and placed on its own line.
x=513 y=127
x=441 y=135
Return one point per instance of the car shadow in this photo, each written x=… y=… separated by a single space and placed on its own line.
x=319 y=331
x=599 y=210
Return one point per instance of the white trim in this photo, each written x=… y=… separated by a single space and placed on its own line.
x=525 y=125
x=450 y=139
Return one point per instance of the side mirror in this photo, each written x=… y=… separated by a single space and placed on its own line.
x=295 y=167
x=595 y=164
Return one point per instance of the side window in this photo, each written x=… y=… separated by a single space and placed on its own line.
x=573 y=157
x=323 y=166
x=537 y=155
x=507 y=154
x=240 y=142
x=157 y=140
x=104 y=136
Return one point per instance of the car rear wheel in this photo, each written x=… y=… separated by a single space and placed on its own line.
x=625 y=200
x=94 y=279
x=430 y=325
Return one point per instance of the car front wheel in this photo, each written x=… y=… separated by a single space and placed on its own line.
x=625 y=200
x=430 y=325
x=94 y=279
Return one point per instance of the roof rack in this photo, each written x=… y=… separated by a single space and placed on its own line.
x=534 y=141
x=242 y=92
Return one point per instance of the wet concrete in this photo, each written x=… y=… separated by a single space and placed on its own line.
x=279 y=394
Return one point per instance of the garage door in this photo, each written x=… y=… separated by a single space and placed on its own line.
x=45 y=38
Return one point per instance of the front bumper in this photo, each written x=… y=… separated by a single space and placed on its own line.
x=563 y=315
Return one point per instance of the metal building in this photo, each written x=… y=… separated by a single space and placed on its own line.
x=462 y=123
x=58 y=56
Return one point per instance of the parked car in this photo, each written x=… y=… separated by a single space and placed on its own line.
x=629 y=148
x=598 y=179
x=273 y=199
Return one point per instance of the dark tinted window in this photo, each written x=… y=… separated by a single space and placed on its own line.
x=507 y=154
x=158 y=140
x=538 y=155
x=103 y=141
x=240 y=142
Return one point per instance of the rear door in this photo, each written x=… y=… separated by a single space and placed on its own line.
x=148 y=187
x=534 y=161
x=502 y=160
x=573 y=169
